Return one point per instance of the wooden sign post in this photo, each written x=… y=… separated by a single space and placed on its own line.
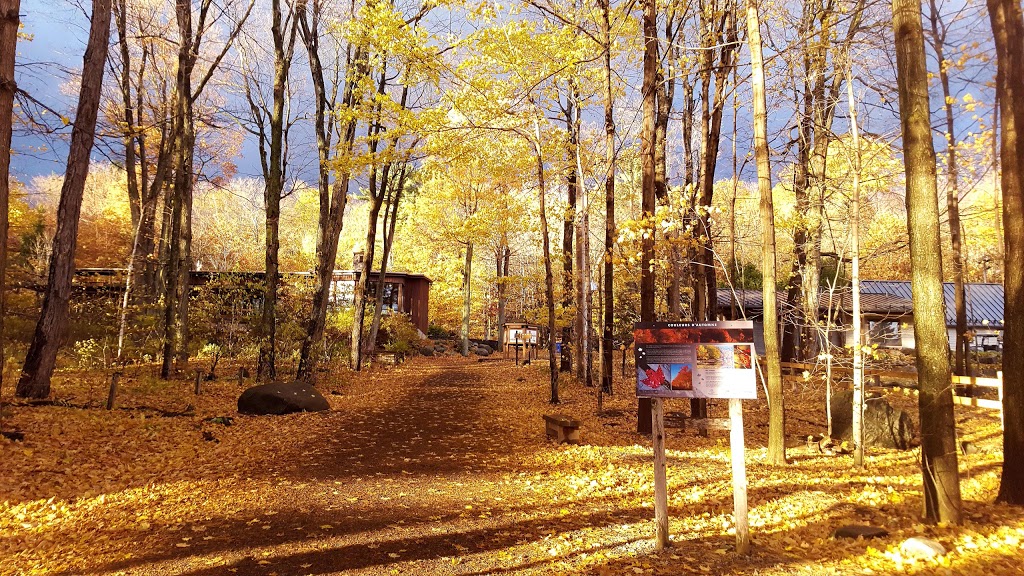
x=739 y=476
x=660 y=476
x=697 y=360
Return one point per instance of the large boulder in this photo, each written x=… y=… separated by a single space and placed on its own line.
x=281 y=398
x=884 y=426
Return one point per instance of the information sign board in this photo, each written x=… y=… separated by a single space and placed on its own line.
x=695 y=359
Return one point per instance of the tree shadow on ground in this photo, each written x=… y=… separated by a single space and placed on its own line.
x=441 y=533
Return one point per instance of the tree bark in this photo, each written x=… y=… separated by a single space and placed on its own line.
x=938 y=428
x=52 y=326
x=359 y=294
x=9 y=21
x=607 y=346
x=570 y=331
x=467 y=294
x=647 y=198
x=1008 y=30
x=283 y=31
x=390 y=220
x=502 y=256
x=549 y=279
x=773 y=373
x=858 y=353
x=952 y=192
x=332 y=198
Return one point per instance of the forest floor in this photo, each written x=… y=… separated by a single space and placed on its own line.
x=441 y=466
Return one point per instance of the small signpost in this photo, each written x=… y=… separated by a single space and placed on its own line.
x=697 y=360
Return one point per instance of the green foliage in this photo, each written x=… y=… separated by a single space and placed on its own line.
x=90 y=353
x=435 y=332
x=402 y=336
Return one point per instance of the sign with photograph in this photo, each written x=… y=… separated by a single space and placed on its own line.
x=695 y=359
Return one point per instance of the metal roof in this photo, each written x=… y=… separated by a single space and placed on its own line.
x=984 y=301
x=871 y=303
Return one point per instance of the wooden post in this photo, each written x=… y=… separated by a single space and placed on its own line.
x=739 y=476
x=199 y=382
x=660 y=480
x=112 y=394
x=241 y=371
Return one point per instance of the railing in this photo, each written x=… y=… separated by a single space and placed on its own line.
x=962 y=386
x=966 y=385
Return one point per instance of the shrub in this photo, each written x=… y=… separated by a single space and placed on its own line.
x=402 y=335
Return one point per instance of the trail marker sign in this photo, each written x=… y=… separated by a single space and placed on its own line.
x=697 y=360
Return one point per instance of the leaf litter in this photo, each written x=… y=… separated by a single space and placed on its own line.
x=440 y=466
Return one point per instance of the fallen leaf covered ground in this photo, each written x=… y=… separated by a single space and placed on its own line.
x=441 y=466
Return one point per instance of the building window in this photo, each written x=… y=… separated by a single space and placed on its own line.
x=885 y=333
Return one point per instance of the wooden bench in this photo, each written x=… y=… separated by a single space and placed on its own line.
x=564 y=429
x=387 y=358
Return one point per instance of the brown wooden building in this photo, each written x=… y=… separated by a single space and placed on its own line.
x=403 y=293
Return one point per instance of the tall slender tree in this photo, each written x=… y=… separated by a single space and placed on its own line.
x=773 y=372
x=9 y=22
x=333 y=197
x=52 y=327
x=939 y=43
x=274 y=160
x=176 y=233
x=609 y=202
x=647 y=196
x=1008 y=30
x=938 y=428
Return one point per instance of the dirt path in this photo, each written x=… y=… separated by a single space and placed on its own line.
x=439 y=466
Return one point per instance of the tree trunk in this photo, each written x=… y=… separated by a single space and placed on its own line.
x=858 y=353
x=389 y=238
x=773 y=373
x=501 y=259
x=549 y=279
x=938 y=428
x=52 y=326
x=1008 y=30
x=359 y=294
x=952 y=193
x=332 y=199
x=9 y=22
x=274 y=177
x=467 y=293
x=607 y=347
x=647 y=199
x=570 y=332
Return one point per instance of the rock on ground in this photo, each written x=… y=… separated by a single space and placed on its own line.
x=281 y=398
x=884 y=426
x=918 y=547
x=859 y=531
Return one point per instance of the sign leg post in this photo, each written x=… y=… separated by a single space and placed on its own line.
x=660 y=481
x=739 y=476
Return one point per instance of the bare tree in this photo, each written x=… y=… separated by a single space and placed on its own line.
x=333 y=196
x=52 y=326
x=177 y=225
x=274 y=160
